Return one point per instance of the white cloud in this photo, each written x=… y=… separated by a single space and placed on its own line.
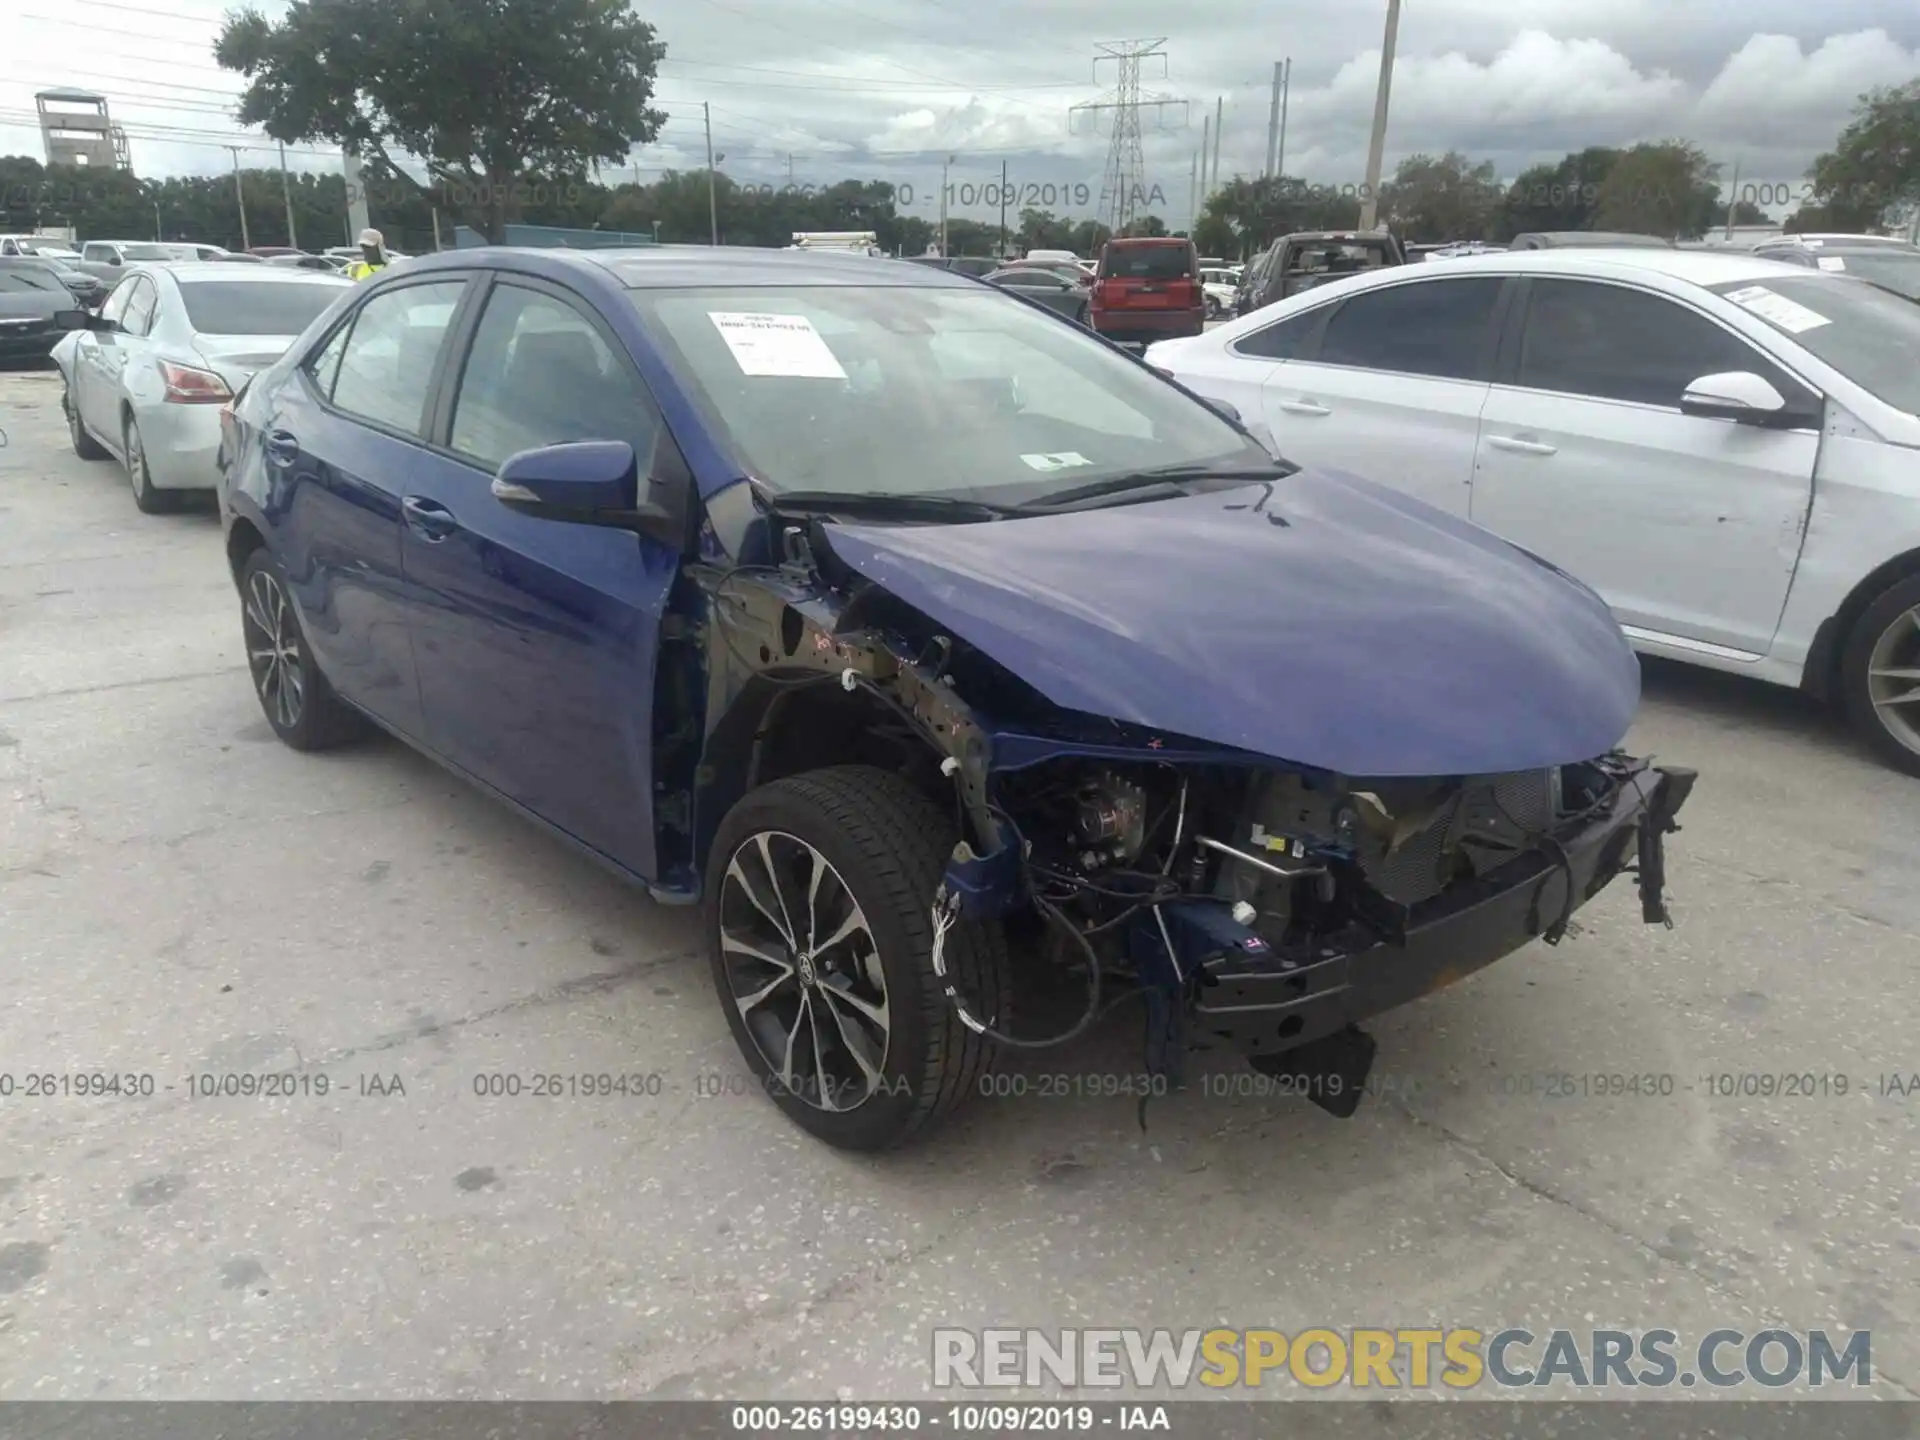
x=1773 y=92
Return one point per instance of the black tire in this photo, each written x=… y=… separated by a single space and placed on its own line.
x=308 y=715
x=145 y=496
x=1084 y=316
x=84 y=445
x=1894 y=615
x=887 y=845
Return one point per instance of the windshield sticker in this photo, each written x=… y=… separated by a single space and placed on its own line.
x=1831 y=262
x=1777 y=309
x=1062 y=460
x=776 y=345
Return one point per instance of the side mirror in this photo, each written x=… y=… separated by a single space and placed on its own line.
x=588 y=482
x=113 y=259
x=1742 y=397
x=1221 y=407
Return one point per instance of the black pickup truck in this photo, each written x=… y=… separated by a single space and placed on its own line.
x=1312 y=257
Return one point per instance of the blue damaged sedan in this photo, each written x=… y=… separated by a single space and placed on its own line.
x=944 y=654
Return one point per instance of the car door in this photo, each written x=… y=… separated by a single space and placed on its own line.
x=85 y=382
x=536 y=639
x=1391 y=387
x=344 y=442
x=1687 y=527
x=118 y=346
x=1043 y=286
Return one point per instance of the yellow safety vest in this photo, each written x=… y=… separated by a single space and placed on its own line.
x=361 y=270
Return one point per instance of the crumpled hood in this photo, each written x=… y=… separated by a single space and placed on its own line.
x=1370 y=634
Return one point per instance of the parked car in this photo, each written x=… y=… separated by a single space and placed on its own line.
x=274 y=252
x=1219 y=284
x=146 y=378
x=1588 y=240
x=1819 y=238
x=86 y=290
x=1897 y=267
x=1052 y=257
x=108 y=260
x=1045 y=286
x=36 y=311
x=979 y=265
x=1072 y=274
x=326 y=264
x=1722 y=445
x=1147 y=290
x=1301 y=261
x=811 y=590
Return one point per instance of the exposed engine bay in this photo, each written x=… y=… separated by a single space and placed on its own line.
x=1243 y=900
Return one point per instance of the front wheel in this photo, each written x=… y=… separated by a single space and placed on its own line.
x=1880 y=676
x=819 y=895
x=151 y=501
x=84 y=445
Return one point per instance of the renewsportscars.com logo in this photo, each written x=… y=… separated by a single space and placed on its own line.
x=1398 y=1359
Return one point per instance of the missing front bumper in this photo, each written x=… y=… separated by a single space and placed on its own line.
x=1269 y=1005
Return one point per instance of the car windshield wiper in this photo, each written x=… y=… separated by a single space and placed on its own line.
x=1163 y=477
x=887 y=505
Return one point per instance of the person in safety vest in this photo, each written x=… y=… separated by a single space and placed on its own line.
x=373 y=256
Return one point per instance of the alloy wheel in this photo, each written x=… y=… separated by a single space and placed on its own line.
x=136 y=460
x=802 y=967
x=1893 y=679
x=273 y=650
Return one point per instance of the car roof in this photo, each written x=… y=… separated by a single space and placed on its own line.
x=206 y=272
x=665 y=267
x=1693 y=267
x=1149 y=240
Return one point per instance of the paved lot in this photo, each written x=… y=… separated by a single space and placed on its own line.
x=180 y=894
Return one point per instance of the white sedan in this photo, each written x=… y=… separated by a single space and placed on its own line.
x=1725 y=447
x=146 y=379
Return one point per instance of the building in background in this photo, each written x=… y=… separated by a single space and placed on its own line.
x=77 y=130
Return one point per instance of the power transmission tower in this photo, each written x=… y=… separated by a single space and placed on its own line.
x=1123 y=187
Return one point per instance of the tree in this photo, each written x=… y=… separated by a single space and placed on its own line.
x=1561 y=196
x=489 y=96
x=1665 y=188
x=1146 y=227
x=1745 y=212
x=1872 y=174
x=1435 y=198
x=1243 y=216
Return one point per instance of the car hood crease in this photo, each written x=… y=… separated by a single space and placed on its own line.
x=1368 y=634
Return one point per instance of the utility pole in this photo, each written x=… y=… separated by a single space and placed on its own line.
x=1376 y=148
x=1193 y=194
x=713 y=204
x=1733 y=198
x=1206 y=129
x=945 y=166
x=286 y=189
x=1273 y=120
x=1003 y=209
x=1124 y=185
x=156 y=222
x=1280 y=151
x=240 y=198
x=1219 y=108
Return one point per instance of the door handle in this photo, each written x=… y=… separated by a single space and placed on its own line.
x=281 y=447
x=1302 y=407
x=1521 y=446
x=428 y=519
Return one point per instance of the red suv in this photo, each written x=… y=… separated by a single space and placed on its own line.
x=1147 y=290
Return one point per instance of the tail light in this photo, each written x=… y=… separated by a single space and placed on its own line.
x=188 y=386
x=1187 y=287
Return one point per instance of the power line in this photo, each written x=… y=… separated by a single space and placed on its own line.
x=1126 y=171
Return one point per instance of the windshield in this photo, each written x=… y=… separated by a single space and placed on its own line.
x=254 y=307
x=1147 y=262
x=912 y=392
x=1871 y=336
x=19 y=279
x=1894 y=269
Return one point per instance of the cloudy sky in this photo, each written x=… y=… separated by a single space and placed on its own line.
x=886 y=89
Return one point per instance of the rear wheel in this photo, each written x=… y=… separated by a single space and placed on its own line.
x=150 y=500
x=84 y=445
x=818 y=899
x=299 y=704
x=1880 y=676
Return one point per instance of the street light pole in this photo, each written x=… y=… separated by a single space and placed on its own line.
x=713 y=205
x=286 y=189
x=1376 y=148
x=240 y=198
x=945 y=166
x=1003 y=210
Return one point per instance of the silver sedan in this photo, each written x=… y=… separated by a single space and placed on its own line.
x=146 y=380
